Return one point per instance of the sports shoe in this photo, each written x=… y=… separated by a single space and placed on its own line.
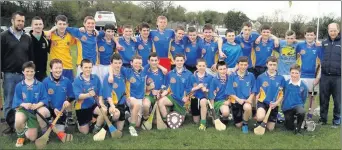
x=245 y=129
x=202 y=127
x=20 y=142
x=336 y=122
x=132 y=131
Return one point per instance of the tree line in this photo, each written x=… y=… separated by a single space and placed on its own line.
x=127 y=12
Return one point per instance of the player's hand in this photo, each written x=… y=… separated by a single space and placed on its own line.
x=201 y=85
x=110 y=79
x=34 y=106
x=276 y=43
x=257 y=41
x=155 y=92
x=229 y=72
x=82 y=29
x=96 y=32
x=273 y=105
x=112 y=110
x=240 y=101
x=128 y=99
x=56 y=111
x=249 y=101
x=222 y=55
x=185 y=99
x=66 y=104
x=104 y=108
x=213 y=67
x=119 y=47
x=47 y=34
x=91 y=93
x=318 y=43
x=204 y=89
x=133 y=39
x=27 y=106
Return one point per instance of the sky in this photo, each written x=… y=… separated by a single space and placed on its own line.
x=250 y=8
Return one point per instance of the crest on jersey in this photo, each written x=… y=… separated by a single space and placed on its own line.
x=257 y=48
x=50 y=91
x=203 y=51
x=172 y=80
x=265 y=84
x=115 y=86
x=155 y=39
x=132 y=80
x=83 y=38
x=187 y=50
x=101 y=49
x=140 y=47
x=302 y=52
x=235 y=84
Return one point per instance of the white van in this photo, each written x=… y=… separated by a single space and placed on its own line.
x=104 y=17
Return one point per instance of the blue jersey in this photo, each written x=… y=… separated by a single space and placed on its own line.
x=261 y=52
x=287 y=57
x=295 y=95
x=308 y=58
x=59 y=91
x=233 y=53
x=144 y=49
x=217 y=90
x=115 y=90
x=156 y=77
x=33 y=94
x=161 y=40
x=268 y=86
x=106 y=49
x=135 y=82
x=205 y=80
x=209 y=52
x=241 y=87
x=179 y=84
x=247 y=45
x=86 y=45
x=193 y=52
x=128 y=51
x=82 y=86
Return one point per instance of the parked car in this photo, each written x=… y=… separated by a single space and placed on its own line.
x=3 y=28
x=104 y=17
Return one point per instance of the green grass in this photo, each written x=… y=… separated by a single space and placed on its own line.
x=189 y=137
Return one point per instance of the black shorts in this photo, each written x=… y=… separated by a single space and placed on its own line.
x=61 y=119
x=195 y=107
x=122 y=108
x=257 y=70
x=274 y=112
x=237 y=111
x=192 y=69
x=84 y=116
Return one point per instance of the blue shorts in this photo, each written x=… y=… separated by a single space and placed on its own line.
x=69 y=74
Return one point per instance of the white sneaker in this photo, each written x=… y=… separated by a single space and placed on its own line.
x=132 y=131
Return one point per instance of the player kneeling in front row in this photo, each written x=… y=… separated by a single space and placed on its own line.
x=60 y=93
x=178 y=83
x=241 y=89
x=269 y=88
x=294 y=100
x=87 y=86
x=29 y=96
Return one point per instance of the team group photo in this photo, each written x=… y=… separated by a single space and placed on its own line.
x=164 y=75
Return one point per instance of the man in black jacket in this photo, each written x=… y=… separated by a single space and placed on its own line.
x=16 y=49
x=330 y=83
x=41 y=47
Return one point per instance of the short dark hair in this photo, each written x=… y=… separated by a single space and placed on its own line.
x=208 y=26
x=88 y=18
x=248 y=24
x=61 y=18
x=17 y=13
x=229 y=31
x=179 y=55
x=295 y=67
x=220 y=63
x=289 y=33
x=85 y=61
x=55 y=61
x=243 y=59
x=152 y=54
x=115 y=56
x=109 y=26
x=272 y=59
x=29 y=64
x=36 y=18
x=310 y=29
x=179 y=28
x=192 y=29
x=265 y=27
x=127 y=26
x=201 y=60
x=136 y=57
x=144 y=25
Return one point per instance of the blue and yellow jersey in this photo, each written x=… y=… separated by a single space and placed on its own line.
x=82 y=86
x=209 y=52
x=308 y=58
x=156 y=77
x=217 y=90
x=268 y=86
x=115 y=90
x=161 y=40
x=205 y=80
x=144 y=49
x=247 y=45
x=33 y=94
x=106 y=49
x=193 y=51
x=241 y=87
x=178 y=84
x=260 y=53
x=176 y=48
x=128 y=51
x=286 y=57
x=135 y=82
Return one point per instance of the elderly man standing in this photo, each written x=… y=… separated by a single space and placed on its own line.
x=330 y=83
x=16 y=49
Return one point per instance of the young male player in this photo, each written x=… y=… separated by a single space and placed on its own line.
x=241 y=90
x=127 y=47
x=177 y=45
x=87 y=89
x=209 y=49
x=269 y=93
x=144 y=43
x=193 y=50
x=232 y=50
x=60 y=93
x=295 y=96
x=29 y=96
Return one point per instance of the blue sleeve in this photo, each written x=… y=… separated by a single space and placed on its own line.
x=172 y=34
x=229 y=87
x=224 y=40
x=255 y=35
x=98 y=85
x=146 y=67
x=125 y=71
x=253 y=84
x=298 y=48
x=75 y=32
x=106 y=88
x=212 y=87
x=17 y=98
x=77 y=89
x=101 y=35
x=43 y=95
x=70 y=91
